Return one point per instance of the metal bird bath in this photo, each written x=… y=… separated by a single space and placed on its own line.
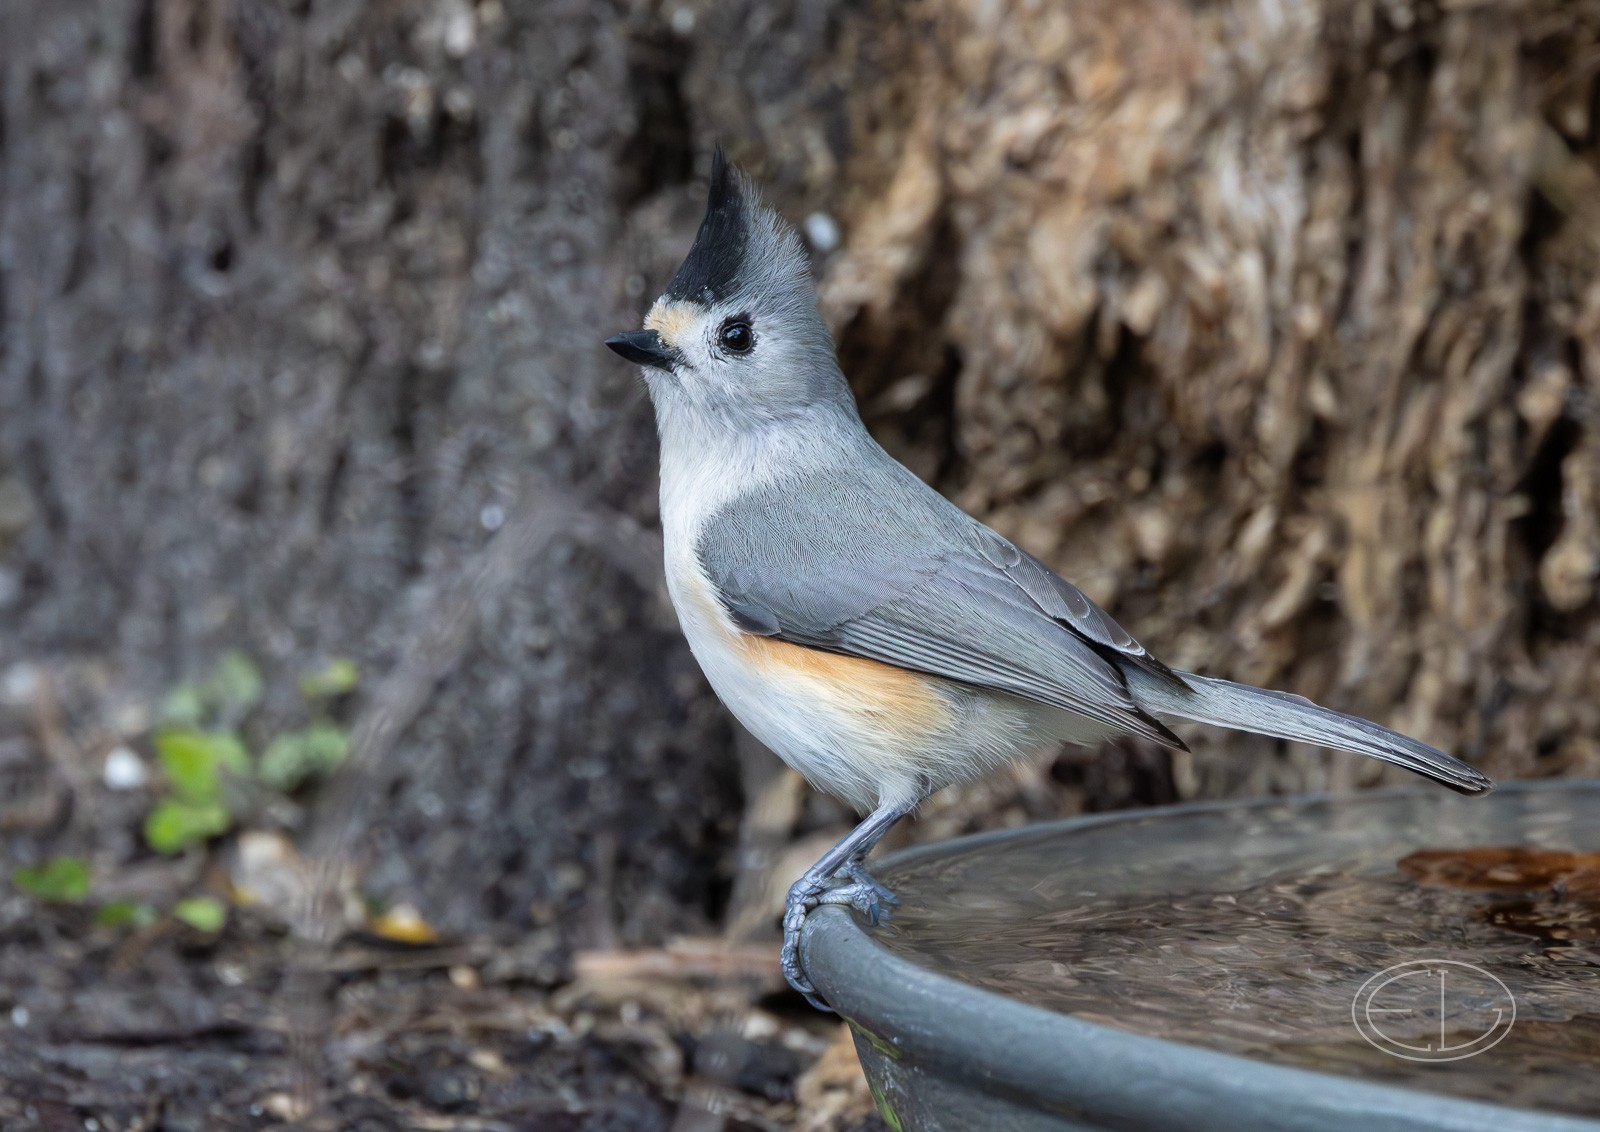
x=1393 y=960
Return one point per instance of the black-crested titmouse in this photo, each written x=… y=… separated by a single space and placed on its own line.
x=884 y=643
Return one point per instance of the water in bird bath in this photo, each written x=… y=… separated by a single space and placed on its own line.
x=1259 y=931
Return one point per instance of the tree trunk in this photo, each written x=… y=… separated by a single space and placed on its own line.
x=1275 y=327
x=302 y=310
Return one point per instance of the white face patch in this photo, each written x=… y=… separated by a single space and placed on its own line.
x=674 y=321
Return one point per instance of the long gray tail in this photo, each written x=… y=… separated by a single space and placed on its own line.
x=1284 y=716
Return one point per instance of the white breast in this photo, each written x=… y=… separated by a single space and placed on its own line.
x=699 y=475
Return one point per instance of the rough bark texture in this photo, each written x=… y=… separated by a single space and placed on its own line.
x=300 y=301
x=1274 y=326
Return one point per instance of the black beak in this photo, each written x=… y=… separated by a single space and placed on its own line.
x=645 y=348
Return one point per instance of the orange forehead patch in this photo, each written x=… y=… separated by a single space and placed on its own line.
x=674 y=321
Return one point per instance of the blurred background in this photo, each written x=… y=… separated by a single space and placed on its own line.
x=353 y=773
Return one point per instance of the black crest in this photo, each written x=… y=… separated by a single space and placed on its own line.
x=708 y=272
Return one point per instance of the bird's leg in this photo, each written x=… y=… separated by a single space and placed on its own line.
x=839 y=878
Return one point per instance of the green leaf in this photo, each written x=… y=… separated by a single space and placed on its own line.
x=183 y=705
x=293 y=757
x=336 y=678
x=175 y=824
x=193 y=761
x=125 y=914
x=61 y=879
x=202 y=913
x=235 y=685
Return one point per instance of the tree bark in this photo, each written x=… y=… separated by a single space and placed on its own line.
x=1275 y=328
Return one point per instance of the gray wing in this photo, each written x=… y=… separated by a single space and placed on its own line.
x=881 y=566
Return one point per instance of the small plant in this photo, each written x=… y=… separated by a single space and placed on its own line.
x=66 y=880
x=198 y=746
x=295 y=756
x=61 y=880
x=338 y=677
x=195 y=811
x=232 y=690
x=202 y=913
x=126 y=914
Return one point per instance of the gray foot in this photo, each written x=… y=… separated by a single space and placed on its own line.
x=851 y=885
x=864 y=893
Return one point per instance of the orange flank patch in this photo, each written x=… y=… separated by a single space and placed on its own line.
x=674 y=321
x=905 y=705
x=900 y=699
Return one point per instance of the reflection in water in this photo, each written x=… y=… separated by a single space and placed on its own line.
x=1251 y=930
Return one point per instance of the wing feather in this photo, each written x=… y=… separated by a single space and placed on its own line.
x=914 y=582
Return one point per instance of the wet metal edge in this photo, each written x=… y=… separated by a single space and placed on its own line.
x=995 y=1062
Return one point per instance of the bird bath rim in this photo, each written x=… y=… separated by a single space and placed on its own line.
x=1041 y=1069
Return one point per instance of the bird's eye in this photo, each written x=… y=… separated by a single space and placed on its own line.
x=736 y=336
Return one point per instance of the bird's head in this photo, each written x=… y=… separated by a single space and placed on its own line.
x=736 y=335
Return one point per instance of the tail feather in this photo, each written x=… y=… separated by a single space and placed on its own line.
x=1285 y=716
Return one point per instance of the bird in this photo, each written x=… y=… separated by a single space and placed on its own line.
x=877 y=638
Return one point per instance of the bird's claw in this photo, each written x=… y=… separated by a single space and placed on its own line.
x=789 y=958
x=852 y=885
x=864 y=893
